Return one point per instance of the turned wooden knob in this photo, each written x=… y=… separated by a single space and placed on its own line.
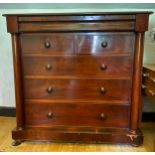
x=104 y=44
x=47 y=44
x=48 y=67
x=50 y=89
x=102 y=116
x=102 y=90
x=103 y=67
x=50 y=114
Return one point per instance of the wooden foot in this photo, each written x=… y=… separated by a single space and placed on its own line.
x=136 y=138
x=16 y=142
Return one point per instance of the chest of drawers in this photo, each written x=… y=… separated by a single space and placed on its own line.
x=77 y=76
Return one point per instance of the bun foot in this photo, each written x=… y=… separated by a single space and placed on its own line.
x=16 y=142
x=135 y=138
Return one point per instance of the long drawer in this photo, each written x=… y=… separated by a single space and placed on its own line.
x=70 y=114
x=62 y=88
x=78 y=66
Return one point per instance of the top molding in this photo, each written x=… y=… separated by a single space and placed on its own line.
x=97 y=21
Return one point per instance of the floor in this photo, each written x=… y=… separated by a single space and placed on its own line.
x=7 y=123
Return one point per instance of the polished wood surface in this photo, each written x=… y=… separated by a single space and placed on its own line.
x=91 y=89
x=72 y=114
x=79 y=76
x=51 y=44
x=79 y=66
x=7 y=123
x=106 y=43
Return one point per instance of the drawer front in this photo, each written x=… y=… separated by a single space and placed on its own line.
x=108 y=43
x=47 y=43
x=95 y=89
x=78 y=66
x=71 y=114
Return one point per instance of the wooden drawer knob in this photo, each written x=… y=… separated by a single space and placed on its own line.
x=104 y=44
x=152 y=93
x=145 y=74
x=47 y=44
x=50 y=114
x=102 y=90
x=103 y=67
x=50 y=89
x=102 y=116
x=48 y=67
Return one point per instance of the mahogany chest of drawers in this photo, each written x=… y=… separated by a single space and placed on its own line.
x=78 y=76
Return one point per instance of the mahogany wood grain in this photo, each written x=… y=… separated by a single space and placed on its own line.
x=136 y=105
x=114 y=43
x=77 y=89
x=59 y=44
x=64 y=18
x=18 y=81
x=79 y=66
x=76 y=115
x=81 y=70
x=71 y=26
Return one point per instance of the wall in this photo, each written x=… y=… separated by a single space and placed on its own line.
x=7 y=97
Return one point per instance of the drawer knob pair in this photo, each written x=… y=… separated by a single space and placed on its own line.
x=50 y=114
x=50 y=89
x=104 y=44
x=103 y=67
x=47 y=44
x=48 y=67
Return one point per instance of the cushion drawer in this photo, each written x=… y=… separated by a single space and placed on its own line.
x=47 y=43
x=105 y=43
x=78 y=66
x=63 y=88
x=72 y=114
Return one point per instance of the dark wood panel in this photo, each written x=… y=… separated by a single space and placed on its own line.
x=77 y=89
x=79 y=66
x=71 y=26
x=63 y=18
x=105 y=44
x=51 y=114
x=108 y=135
x=47 y=43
